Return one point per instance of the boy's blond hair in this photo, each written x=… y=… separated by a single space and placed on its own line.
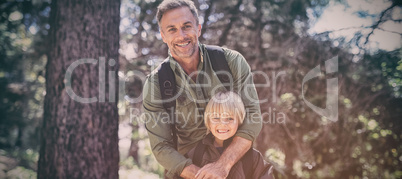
x=225 y=103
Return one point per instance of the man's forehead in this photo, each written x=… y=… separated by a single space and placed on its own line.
x=177 y=16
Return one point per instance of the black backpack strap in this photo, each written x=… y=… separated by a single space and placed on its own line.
x=167 y=85
x=219 y=63
x=199 y=153
x=247 y=162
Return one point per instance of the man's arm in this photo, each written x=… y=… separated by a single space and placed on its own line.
x=159 y=130
x=221 y=168
x=243 y=84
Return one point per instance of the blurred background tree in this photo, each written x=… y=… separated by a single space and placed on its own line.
x=276 y=39
x=79 y=137
x=23 y=28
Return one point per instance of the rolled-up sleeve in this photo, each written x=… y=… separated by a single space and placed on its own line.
x=243 y=84
x=157 y=124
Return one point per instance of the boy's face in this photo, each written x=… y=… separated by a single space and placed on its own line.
x=223 y=126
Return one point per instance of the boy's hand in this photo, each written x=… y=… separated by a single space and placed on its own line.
x=190 y=171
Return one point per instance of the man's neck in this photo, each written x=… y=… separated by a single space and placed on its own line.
x=190 y=65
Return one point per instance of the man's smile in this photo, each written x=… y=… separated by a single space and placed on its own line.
x=183 y=44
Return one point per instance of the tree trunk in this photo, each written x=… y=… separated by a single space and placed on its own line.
x=79 y=140
x=235 y=16
x=133 y=151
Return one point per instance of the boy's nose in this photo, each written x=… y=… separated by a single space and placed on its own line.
x=224 y=121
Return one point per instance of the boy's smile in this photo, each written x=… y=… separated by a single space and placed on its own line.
x=223 y=128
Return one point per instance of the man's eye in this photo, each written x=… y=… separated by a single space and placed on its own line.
x=230 y=119
x=171 y=30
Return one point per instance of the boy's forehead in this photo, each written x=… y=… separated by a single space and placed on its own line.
x=221 y=114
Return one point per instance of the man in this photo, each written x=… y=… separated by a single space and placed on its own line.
x=196 y=83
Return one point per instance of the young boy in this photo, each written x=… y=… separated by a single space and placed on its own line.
x=223 y=115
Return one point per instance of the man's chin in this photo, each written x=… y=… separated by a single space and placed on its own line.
x=184 y=55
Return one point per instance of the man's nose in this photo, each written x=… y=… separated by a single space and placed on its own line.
x=182 y=33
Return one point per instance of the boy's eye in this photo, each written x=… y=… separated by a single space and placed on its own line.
x=230 y=120
x=216 y=119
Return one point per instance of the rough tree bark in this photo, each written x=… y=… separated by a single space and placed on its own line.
x=79 y=140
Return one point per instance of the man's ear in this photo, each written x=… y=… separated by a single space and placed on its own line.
x=199 y=30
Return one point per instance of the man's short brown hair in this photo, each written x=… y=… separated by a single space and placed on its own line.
x=167 y=5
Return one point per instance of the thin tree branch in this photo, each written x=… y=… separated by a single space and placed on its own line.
x=342 y=29
x=390 y=31
x=396 y=20
x=380 y=20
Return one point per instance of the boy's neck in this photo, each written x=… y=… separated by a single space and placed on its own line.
x=218 y=142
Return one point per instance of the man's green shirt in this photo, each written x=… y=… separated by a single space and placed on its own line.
x=192 y=98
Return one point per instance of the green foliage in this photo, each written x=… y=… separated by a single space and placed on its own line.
x=21 y=173
x=22 y=82
x=129 y=170
x=22 y=30
x=18 y=164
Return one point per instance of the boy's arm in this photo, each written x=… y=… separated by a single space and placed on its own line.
x=189 y=171
x=262 y=169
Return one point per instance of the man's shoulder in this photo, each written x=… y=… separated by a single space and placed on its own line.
x=235 y=59
x=155 y=72
x=152 y=78
x=226 y=50
x=232 y=56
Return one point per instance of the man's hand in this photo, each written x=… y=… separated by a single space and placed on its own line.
x=221 y=168
x=189 y=171
x=213 y=170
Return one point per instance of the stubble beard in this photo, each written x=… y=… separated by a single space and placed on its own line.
x=189 y=53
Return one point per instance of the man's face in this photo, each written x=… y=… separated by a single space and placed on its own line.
x=180 y=32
